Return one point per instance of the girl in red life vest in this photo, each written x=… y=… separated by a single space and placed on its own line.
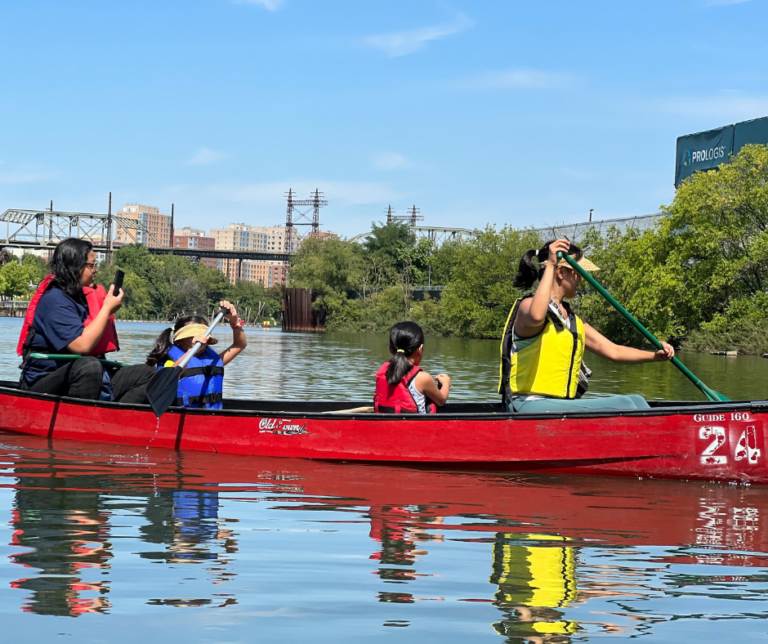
x=402 y=386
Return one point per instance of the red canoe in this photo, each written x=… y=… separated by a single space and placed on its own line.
x=704 y=441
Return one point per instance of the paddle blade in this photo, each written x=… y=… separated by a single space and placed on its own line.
x=714 y=396
x=161 y=390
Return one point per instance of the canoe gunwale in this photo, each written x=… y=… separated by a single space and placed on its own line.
x=666 y=408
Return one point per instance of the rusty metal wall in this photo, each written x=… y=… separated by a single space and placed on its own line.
x=298 y=314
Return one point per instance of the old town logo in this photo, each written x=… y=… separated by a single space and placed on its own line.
x=281 y=427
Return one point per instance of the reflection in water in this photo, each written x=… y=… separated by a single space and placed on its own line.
x=528 y=558
x=65 y=533
x=534 y=581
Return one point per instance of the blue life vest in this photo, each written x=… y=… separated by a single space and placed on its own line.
x=202 y=382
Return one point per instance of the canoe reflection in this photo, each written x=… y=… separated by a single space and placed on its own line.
x=542 y=553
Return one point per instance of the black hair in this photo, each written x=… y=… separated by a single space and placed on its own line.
x=69 y=259
x=164 y=341
x=528 y=273
x=405 y=338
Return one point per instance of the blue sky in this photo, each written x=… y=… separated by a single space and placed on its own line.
x=526 y=113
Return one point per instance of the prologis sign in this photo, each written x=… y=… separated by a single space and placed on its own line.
x=707 y=150
x=703 y=151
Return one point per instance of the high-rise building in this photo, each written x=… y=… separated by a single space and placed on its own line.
x=267 y=273
x=267 y=239
x=158 y=225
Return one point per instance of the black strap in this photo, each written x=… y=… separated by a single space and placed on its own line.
x=208 y=371
x=207 y=399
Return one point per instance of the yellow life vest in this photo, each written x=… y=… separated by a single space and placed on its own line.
x=550 y=365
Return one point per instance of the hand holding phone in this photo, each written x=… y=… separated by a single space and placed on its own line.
x=118 y=283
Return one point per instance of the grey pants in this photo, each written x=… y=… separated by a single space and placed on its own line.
x=633 y=401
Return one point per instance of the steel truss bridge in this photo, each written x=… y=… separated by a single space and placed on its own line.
x=44 y=229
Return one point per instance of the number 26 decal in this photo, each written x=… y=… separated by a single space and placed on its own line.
x=746 y=447
x=708 y=456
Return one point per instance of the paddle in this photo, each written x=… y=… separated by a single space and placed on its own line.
x=74 y=356
x=711 y=394
x=161 y=390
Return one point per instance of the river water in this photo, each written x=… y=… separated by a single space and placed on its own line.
x=113 y=544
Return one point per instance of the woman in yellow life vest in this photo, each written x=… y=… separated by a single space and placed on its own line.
x=544 y=341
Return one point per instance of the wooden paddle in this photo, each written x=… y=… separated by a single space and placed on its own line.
x=711 y=394
x=161 y=390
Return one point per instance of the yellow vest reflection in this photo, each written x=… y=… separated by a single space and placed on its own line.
x=534 y=580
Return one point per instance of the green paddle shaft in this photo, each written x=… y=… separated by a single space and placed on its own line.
x=73 y=356
x=711 y=394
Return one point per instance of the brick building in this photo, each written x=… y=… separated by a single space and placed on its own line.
x=158 y=225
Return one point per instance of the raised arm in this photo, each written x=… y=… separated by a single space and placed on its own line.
x=238 y=335
x=533 y=312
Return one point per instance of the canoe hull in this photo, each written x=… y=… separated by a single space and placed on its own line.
x=723 y=442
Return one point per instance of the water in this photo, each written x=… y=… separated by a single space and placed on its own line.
x=340 y=366
x=114 y=544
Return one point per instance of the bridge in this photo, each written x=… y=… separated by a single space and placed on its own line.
x=44 y=229
x=437 y=234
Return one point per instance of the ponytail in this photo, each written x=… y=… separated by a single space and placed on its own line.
x=162 y=346
x=405 y=338
x=528 y=273
x=164 y=341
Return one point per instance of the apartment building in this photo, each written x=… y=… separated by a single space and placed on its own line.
x=267 y=239
x=267 y=273
x=158 y=225
x=199 y=241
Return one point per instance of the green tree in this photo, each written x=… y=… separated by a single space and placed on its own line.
x=476 y=303
x=16 y=279
x=37 y=266
x=705 y=265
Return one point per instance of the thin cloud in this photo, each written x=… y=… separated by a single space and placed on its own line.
x=728 y=106
x=402 y=43
x=390 y=161
x=7 y=178
x=269 y=5
x=517 y=79
x=355 y=193
x=204 y=156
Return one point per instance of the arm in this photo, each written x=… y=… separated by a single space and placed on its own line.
x=238 y=336
x=598 y=344
x=91 y=335
x=533 y=312
x=426 y=385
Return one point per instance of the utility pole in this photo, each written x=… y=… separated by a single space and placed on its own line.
x=173 y=232
x=109 y=230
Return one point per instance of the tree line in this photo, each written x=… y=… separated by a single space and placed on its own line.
x=157 y=287
x=698 y=279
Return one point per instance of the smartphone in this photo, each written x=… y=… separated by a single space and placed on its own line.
x=118 y=283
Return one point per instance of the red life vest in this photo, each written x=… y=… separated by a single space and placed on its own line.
x=397 y=399
x=95 y=299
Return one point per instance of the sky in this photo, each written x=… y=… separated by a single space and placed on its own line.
x=485 y=112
